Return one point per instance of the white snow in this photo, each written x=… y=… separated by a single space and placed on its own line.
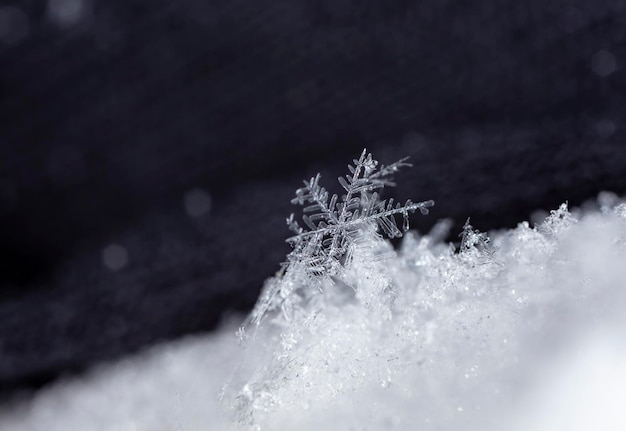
x=524 y=331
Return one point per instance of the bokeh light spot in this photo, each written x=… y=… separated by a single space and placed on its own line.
x=66 y=13
x=605 y=128
x=197 y=202
x=603 y=63
x=114 y=257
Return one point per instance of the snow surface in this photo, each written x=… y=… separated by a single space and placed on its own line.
x=524 y=330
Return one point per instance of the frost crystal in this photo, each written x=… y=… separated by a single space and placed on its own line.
x=333 y=226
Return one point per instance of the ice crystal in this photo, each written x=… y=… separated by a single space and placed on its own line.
x=333 y=225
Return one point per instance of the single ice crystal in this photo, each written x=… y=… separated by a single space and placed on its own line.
x=333 y=225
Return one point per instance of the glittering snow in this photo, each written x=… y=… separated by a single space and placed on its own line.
x=523 y=330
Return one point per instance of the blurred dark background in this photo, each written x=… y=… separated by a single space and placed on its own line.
x=149 y=149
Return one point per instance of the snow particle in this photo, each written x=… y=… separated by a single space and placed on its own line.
x=114 y=257
x=13 y=25
x=620 y=210
x=607 y=201
x=197 y=202
x=603 y=63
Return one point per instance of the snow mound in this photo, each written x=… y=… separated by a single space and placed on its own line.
x=521 y=330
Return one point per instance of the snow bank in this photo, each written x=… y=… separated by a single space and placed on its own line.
x=524 y=330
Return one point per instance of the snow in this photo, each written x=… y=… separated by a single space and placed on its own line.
x=519 y=330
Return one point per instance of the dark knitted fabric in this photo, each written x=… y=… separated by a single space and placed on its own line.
x=123 y=122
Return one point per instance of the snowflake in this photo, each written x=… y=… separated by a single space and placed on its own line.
x=333 y=224
x=332 y=227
